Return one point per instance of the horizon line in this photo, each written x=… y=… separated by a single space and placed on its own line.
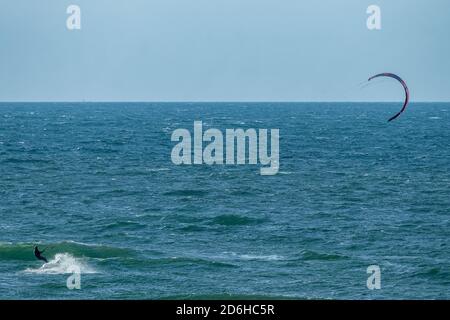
x=217 y=101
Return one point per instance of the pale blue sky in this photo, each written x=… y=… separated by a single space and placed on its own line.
x=222 y=50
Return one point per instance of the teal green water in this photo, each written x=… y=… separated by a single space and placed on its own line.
x=95 y=184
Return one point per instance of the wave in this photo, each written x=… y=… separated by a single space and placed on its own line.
x=250 y=257
x=63 y=263
x=24 y=251
x=270 y=257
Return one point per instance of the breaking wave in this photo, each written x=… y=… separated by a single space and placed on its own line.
x=63 y=263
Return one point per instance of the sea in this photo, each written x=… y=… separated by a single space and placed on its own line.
x=94 y=185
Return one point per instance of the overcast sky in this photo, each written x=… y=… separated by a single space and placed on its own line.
x=222 y=50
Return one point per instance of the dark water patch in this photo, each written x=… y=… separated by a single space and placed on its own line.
x=186 y=193
x=434 y=273
x=242 y=193
x=185 y=218
x=235 y=220
x=118 y=193
x=26 y=161
x=131 y=225
x=313 y=255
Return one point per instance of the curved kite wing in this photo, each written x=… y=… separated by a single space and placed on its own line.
x=396 y=77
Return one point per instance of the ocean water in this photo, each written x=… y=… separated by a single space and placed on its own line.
x=94 y=183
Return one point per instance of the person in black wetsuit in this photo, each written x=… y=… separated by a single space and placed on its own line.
x=38 y=253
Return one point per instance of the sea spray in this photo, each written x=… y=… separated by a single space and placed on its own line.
x=63 y=263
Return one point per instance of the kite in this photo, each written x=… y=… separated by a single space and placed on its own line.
x=396 y=77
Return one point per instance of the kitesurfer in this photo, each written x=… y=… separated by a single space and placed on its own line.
x=38 y=253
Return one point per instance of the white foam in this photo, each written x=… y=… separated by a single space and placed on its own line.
x=63 y=263
x=272 y=257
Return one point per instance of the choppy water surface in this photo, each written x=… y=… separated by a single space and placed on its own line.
x=95 y=184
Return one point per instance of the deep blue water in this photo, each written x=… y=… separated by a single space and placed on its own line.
x=95 y=184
